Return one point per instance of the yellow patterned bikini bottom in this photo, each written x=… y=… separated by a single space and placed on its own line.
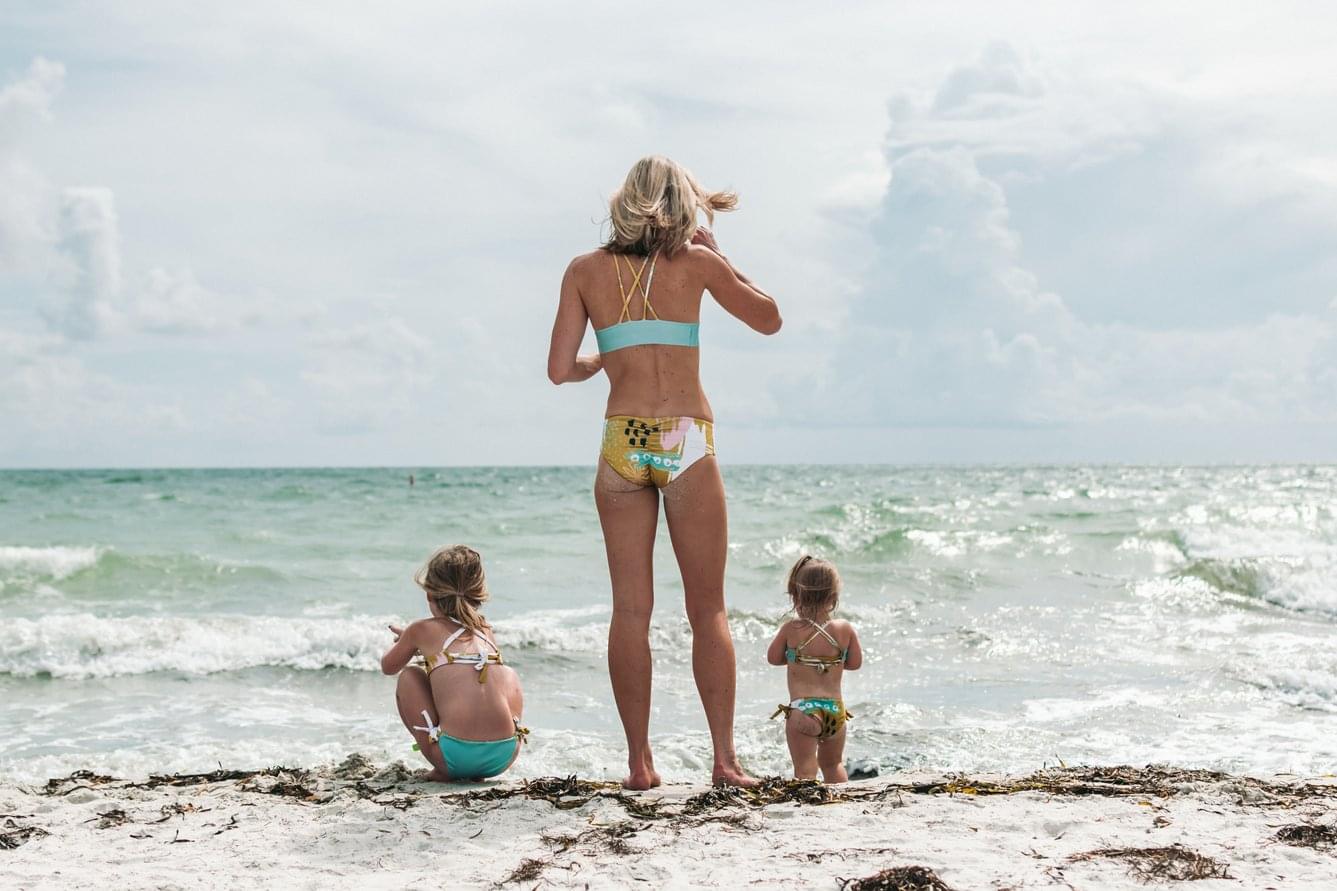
x=655 y=451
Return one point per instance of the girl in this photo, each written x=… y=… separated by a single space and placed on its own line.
x=818 y=651
x=469 y=702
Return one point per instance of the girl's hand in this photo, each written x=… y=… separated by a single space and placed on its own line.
x=396 y=631
x=706 y=238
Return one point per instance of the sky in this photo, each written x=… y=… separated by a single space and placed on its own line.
x=256 y=234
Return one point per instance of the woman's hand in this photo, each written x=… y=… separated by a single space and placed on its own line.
x=396 y=631
x=588 y=366
x=706 y=238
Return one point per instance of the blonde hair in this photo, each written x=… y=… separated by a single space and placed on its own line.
x=814 y=586
x=453 y=578
x=657 y=205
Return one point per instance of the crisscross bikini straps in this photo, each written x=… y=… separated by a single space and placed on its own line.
x=479 y=659
x=821 y=629
x=647 y=310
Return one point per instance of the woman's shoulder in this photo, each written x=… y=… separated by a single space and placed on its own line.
x=582 y=262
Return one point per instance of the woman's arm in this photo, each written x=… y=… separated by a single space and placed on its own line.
x=568 y=329
x=775 y=653
x=398 y=656
x=734 y=291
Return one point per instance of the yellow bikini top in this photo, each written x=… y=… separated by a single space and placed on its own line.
x=479 y=660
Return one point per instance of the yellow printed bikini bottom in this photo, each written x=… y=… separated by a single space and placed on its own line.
x=655 y=451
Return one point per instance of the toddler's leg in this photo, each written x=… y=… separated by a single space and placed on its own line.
x=802 y=745
x=413 y=695
x=831 y=757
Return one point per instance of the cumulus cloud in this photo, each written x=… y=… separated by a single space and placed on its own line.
x=956 y=329
x=27 y=218
x=66 y=242
x=88 y=277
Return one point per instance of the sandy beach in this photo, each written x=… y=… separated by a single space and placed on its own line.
x=362 y=825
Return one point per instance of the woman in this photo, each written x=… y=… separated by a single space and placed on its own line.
x=642 y=293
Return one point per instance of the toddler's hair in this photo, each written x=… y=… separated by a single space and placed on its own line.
x=814 y=586
x=453 y=578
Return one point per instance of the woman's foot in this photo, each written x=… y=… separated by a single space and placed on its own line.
x=731 y=773
x=435 y=775
x=643 y=776
x=640 y=780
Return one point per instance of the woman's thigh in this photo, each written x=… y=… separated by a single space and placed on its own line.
x=699 y=528
x=629 y=515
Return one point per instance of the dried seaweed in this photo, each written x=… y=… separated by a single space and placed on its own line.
x=772 y=790
x=898 y=878
x=13 y=834
x=1174 y=863
x=113 y=817
x=177 y=809
x=80 y=779
x=1308 y=835
x=528 y=870
x=1156 y=781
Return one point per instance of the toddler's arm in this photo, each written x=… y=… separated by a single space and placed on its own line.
x=855 y=657
x=398 y=656
x=775 y=654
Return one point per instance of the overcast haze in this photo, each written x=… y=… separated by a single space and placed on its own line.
x=272 y=234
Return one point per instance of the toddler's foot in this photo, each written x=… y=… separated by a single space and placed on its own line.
x=435 y=775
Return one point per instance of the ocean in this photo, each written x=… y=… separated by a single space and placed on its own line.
x=1012 y=617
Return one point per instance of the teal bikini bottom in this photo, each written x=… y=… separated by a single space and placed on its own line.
x=472 y=759
x=830 y=714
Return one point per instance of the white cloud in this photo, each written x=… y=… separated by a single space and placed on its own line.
x=368 y=376
x=1104 y=221
x=957 y=330
x=27 y=218
x=88 y=277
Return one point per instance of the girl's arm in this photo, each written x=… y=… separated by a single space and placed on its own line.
x=734 y=291
x=568 y=329
x=775 y=654
x=401 y=652
x=854 y=659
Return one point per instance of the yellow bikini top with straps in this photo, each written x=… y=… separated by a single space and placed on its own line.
x=479 y=660
x=822 y=664
x=629 y=332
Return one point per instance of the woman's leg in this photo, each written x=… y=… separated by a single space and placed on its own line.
x=629 y=514
x=699 y=528
x=413 y=695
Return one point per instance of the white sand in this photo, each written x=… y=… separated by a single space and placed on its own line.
x=230 y=834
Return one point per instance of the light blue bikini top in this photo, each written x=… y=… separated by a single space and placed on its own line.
x=628 y=332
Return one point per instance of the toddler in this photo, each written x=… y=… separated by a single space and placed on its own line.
x=817 y=650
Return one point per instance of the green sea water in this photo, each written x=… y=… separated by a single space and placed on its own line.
x=158 y=620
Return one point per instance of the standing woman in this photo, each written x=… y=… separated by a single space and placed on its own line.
x=642 y=293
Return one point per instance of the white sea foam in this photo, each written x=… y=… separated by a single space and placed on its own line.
x=55 y=562
x=82 y=645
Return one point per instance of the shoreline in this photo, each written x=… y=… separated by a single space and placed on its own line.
x=358 y=823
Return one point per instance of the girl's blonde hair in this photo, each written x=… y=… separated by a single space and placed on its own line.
x=814 y=586
x=453 y=578
x=657 y=205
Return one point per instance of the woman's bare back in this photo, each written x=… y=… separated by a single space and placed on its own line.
x=651 y=380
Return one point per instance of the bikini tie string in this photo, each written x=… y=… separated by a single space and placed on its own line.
x=433 y=731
